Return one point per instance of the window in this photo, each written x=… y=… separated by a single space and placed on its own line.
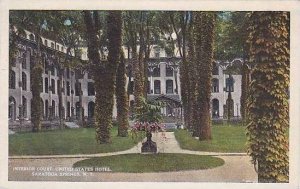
x=68 y=109
x=169 y=86
x=169 y=72
x=46 y=43
x=229 y=84
x=12 y=108
x=46 y=65
x=57 y=47
x=53 y=86
x=53 y=109
x=156 y=52
x=148 y=87
x=156 y=72
x=77 y=89
x=215 y=85
x=46 y=109
x=52 y=45
x=24 y=81
x=24 y=111
x=91 y=107
x=46 y=85
x=62 y=49
x=68 y=88
x=12 y=79
x=24 y=61
x=58 y=86
x=215 y=69
x=91 y=89
x=156 y=87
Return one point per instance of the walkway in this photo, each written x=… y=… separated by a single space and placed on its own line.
x=237 y=167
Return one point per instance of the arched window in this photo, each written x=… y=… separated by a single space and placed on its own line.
x=169 y=86
x=46 y=109
x=46 y=85
x=24 y=81
x=62 y=49
x=31 y=37
x=53 y=109
x=230 y=84
x=169 y=71
x=58 y=86
x=215 y=69
x=46 y=43
x=12 y=79
x=91 y=89
x=24 y=66
x=77 y=109
x=24 y=101
x=53 y=86
x=52 y=45
x=156 y=72
x=215 y=108
x=68 y=109
x=12 y=108
x=46 y=65
x=156 y=87
x=148 y=87
x=91 y=108
x=215 y=85
x=68 y=88
x=77 y=88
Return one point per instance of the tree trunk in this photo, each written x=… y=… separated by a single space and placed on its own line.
x=268 y=97
x=204 y=26
x=36 y=88
x=122 y=99
x=245 y=91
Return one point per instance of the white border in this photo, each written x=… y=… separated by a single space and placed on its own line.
x=266 y=5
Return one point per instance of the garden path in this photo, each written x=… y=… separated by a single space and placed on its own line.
x=237 y=167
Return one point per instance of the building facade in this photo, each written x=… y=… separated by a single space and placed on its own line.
x=78 y=87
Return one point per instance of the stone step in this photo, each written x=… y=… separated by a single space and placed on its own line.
x=71 y=125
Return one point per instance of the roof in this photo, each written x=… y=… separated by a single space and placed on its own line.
x=173 y=97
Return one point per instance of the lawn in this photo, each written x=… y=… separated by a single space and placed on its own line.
x=141 y=163
x=224 y=139
x=67 y=141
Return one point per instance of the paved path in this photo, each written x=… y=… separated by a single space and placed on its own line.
x=237 y=167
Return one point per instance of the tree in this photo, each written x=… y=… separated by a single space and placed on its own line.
x=122 y=98
x=104 y=72
x=268 y=103
x=204 y=28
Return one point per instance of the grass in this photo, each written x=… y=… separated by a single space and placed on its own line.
x=224 y=139
x=141 y=163
x=68 y=141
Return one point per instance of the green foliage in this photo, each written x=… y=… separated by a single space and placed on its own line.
x=268 y=98
x=66 y=142
x=231 y=36
x=149 y=111
x=224 y=139
x=143 y=163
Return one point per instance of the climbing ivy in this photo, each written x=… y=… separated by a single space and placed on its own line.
x=268 y=97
